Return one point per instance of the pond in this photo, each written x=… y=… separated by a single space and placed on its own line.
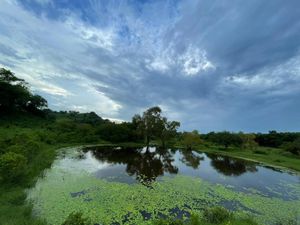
x=117 y=185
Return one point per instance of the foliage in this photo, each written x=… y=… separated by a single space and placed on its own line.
x=275 y=139
x=216 y=215
x=76 y=219
x=152 y=125
x=248 y=141
x=168 y=130
x=12 y=166
x=224 y=138
x=15 y=95
x=293 y=147
x=149 y=124
x=190 y=139
x=115 y=133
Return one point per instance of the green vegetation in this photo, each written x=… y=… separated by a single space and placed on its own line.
x=293 y=147
x=151 y=125
x=215 y=215
x=269 y=156
x=76 y=219
x=190 y=139
x=253 y=147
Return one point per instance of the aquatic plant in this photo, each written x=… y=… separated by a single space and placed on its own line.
x=109 y=202
x=216 y=215
x=76 y=219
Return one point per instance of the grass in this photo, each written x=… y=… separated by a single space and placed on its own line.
x=269 y=156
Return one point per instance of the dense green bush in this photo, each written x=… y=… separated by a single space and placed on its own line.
x=190 y=139
x=76 y=219
x=224 y=138
x=293 y=147
x=276 y=139
x=31 y=149
x=216 y=215
x=12 y=166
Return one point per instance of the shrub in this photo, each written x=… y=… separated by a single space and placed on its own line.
x=190 y=139
x=293 y=147
x=76 y=219
x=46 y=137
x=216 y=215
x=17 y=198
x=31 y=148
x=12 y=166
x=194 y=220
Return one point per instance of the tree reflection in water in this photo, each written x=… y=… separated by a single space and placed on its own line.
x=230 y=166
x=146 y=164
x=189 y=158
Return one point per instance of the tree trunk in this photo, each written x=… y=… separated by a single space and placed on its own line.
x=147 y=140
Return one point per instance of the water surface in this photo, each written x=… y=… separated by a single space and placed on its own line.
x=132 y=185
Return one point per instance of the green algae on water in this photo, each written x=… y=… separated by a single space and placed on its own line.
x=59 y=194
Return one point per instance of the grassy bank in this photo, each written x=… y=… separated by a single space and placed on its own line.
x=269 y=156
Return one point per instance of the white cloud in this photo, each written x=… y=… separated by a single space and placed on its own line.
x=103 y=38
x=191 y=62
x=194 y=61
x=271 y=79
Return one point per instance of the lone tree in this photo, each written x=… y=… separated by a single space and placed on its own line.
x=152 y=125
x=168 y=130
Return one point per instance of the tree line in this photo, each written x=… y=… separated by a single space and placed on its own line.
x=150 y=126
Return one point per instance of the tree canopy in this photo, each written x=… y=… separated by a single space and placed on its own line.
x=16 y=96
x=153 y=125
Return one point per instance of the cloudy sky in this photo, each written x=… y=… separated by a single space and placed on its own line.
x=211 y=64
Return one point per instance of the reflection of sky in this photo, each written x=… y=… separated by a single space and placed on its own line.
x=88 y=164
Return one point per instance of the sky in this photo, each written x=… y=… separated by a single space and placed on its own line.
x=213 y=65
